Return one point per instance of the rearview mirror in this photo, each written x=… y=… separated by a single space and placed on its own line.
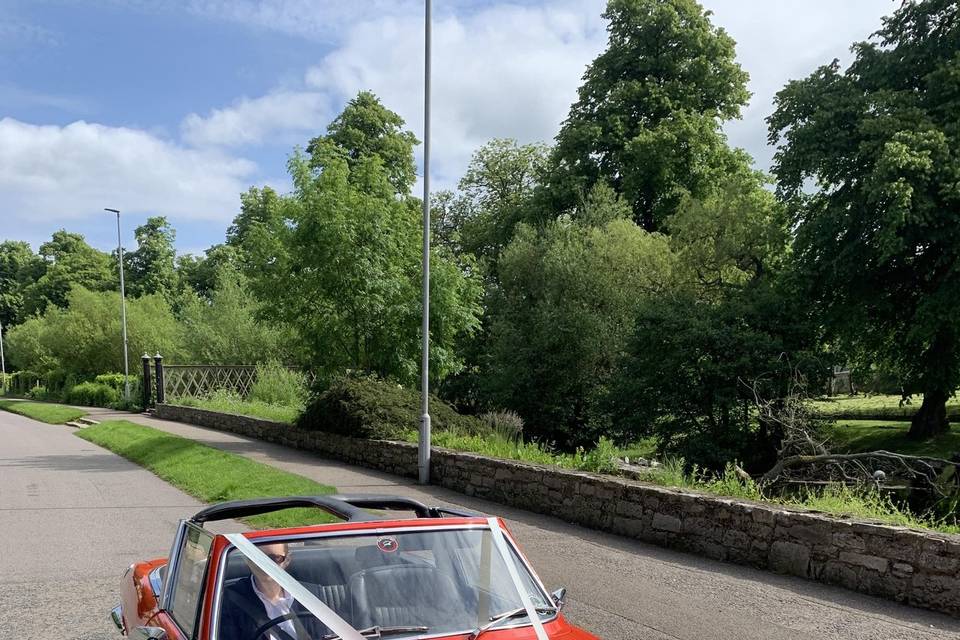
x=559 y=597
x=148 y=633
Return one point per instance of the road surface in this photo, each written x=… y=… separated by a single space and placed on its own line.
x=73 y=516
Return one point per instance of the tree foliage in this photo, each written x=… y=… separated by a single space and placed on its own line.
x=692 y=368
x=19 y=267
x=150 y=268
x=647 y=119
x=83 y=339
x=569 y=297
x=349 y=272
x=68 y=262
x=366 y=129
x=224 y=327
x=877 y=241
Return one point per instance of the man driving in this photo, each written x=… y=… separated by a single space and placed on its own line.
x=252 y=602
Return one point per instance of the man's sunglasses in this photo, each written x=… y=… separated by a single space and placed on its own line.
x=279 y=558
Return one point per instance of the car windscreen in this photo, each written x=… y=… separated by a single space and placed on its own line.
x=421 y=582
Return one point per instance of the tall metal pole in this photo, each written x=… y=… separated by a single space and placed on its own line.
x=423 y=458
x=3 y=362
x=123 y=311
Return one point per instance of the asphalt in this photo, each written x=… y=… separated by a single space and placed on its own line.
x=87 y=510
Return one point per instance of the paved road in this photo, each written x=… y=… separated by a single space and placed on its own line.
x=72 y=518
x=626 y=590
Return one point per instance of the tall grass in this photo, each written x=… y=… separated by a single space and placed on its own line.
x=225 y=401
x=279 y=385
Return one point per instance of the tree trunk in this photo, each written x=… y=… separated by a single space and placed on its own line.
x=931 y=419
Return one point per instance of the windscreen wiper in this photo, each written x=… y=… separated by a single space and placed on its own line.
x=500 y=617
x=377 y=631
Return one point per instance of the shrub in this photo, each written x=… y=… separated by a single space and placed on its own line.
x=93 y=394
x=114 y=380
x=39 y=392
x=506 y=424
x=276 y=384
x=368 y=407
x=601 y=459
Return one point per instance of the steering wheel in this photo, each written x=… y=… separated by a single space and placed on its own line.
x=262 y=631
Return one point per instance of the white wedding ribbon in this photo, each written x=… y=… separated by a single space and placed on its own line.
x=510 y=560
x=301 y=594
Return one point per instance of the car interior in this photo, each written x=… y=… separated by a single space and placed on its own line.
x=367 y=587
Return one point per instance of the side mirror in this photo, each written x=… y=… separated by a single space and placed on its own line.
x=148 y=633
x=559 y=597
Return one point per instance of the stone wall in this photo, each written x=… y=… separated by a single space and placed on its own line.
x=918 y=568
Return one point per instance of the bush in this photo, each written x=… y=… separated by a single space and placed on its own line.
x=506 y=424
x=93 y=394
x=368 y=407
x=114 y=380
x=39 y=392
x=276 y=384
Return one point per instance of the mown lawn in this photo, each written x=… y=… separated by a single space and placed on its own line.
x=874 y=407
x=209 y=474
x=42 y=411
x=852 y=436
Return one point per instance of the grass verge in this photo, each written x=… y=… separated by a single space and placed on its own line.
x=854 y=436
x=42 y=411
x=228 y=403
x=874 y=407
x=209 y=474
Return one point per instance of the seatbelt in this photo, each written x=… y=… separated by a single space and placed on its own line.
x=508 y=558
x=301 y=594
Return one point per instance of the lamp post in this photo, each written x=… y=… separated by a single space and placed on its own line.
x=423 y=457
x=3 y=362
x=123 y=311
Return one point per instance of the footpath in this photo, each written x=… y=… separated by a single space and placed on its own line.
x=622 y=589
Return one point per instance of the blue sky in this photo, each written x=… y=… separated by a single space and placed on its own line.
x=175 y=107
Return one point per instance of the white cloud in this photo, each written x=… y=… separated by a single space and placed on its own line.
x=276 y=116
x=504 y=71
x=55 y=173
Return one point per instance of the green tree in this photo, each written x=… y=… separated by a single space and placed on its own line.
x=19 y=266
x=82 y=340
x=200 y=274
x=348 y=274
x=364 y=129
x=224 y=327
x=877 y=240
x=569 y=297
x=150 y=269
x=691 y=369
x=69 y=262
x=496 y=190
x=647 y=120
x=732 y=236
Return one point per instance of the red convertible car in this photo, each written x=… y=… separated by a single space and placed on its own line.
x=439 y=573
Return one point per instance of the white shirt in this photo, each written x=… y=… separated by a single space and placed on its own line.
x=277 y=608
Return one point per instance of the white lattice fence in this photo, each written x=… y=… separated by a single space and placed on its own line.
x=184 y=380
x=188 y=380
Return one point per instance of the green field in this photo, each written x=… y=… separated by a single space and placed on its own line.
x=852 y=436
x=874 y=407
x=42 y=411
x=209 y=474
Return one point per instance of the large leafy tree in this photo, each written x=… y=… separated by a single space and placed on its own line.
x=366 y=128
x=569 y=296
x=693 y=369
x=150 y=269
x=647 y=120
x=19 y=266
x=347 y=276
x=877 y=239
x=69 y=262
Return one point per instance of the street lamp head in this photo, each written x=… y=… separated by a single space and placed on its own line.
x=116 y=211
